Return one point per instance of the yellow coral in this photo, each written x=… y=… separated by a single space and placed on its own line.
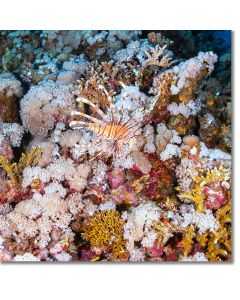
x=214 y=249
x=224 y=214
x=105 y=230
x=14 y=170
x=196 y=195
x=165 y=231
x=203 y=239
x=223 y=236
x=218 y=243
x=187 y=241
x=8 y=167
x=214 y=175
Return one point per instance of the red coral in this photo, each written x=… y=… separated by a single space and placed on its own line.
x=159 y=183
x=87 y=254
x=155 y=250
x=15 y=195
x=215 y=196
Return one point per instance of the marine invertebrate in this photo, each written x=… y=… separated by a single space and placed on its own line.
x=177 y=89
x=31 y=225
x=140 y=225
x=75 y=176
x=105 y=230
x=109 y=74
x=156 y=57
x=202 y=221
x=187 y=240
x=45 y=105
x=200 y=192
x=165 y=230
x=217 y=243
x=190 y=72
x=15 y=170
x=10 y=135
x=10 y=91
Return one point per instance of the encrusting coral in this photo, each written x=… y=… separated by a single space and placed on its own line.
x=114 y=146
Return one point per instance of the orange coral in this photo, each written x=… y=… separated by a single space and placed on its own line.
x=105 y=230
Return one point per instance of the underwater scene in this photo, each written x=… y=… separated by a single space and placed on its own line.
x=115 y=146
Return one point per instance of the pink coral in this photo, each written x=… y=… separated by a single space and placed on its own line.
x=116 y=178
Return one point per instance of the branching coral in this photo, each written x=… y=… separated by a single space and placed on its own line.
x=15 y=170
x=215 y=243
x=165 y=230
x=105 y=230
x=218 y=242
x=156 y=57
x=187 y=241
x=201 y=191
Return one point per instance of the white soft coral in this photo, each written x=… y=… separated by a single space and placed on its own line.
x=138 y=227
x=45 y=105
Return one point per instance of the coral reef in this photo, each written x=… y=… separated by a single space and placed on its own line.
x=115 y=146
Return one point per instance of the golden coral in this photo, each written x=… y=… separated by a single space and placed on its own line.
x=211 y=176
x=105 y=230
x=14 y=170
x=165 y=230
x=187 y=241
x=214 y=175
x=218 y=243
x=224 y=215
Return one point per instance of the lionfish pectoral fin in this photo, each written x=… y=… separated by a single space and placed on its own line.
x=97 y=109
x=79 y=124
x=94 y=120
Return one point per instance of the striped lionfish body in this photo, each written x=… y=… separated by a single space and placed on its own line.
x=110 y=131
x=112 y=128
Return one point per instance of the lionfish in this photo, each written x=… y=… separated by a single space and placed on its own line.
x=114 y=128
